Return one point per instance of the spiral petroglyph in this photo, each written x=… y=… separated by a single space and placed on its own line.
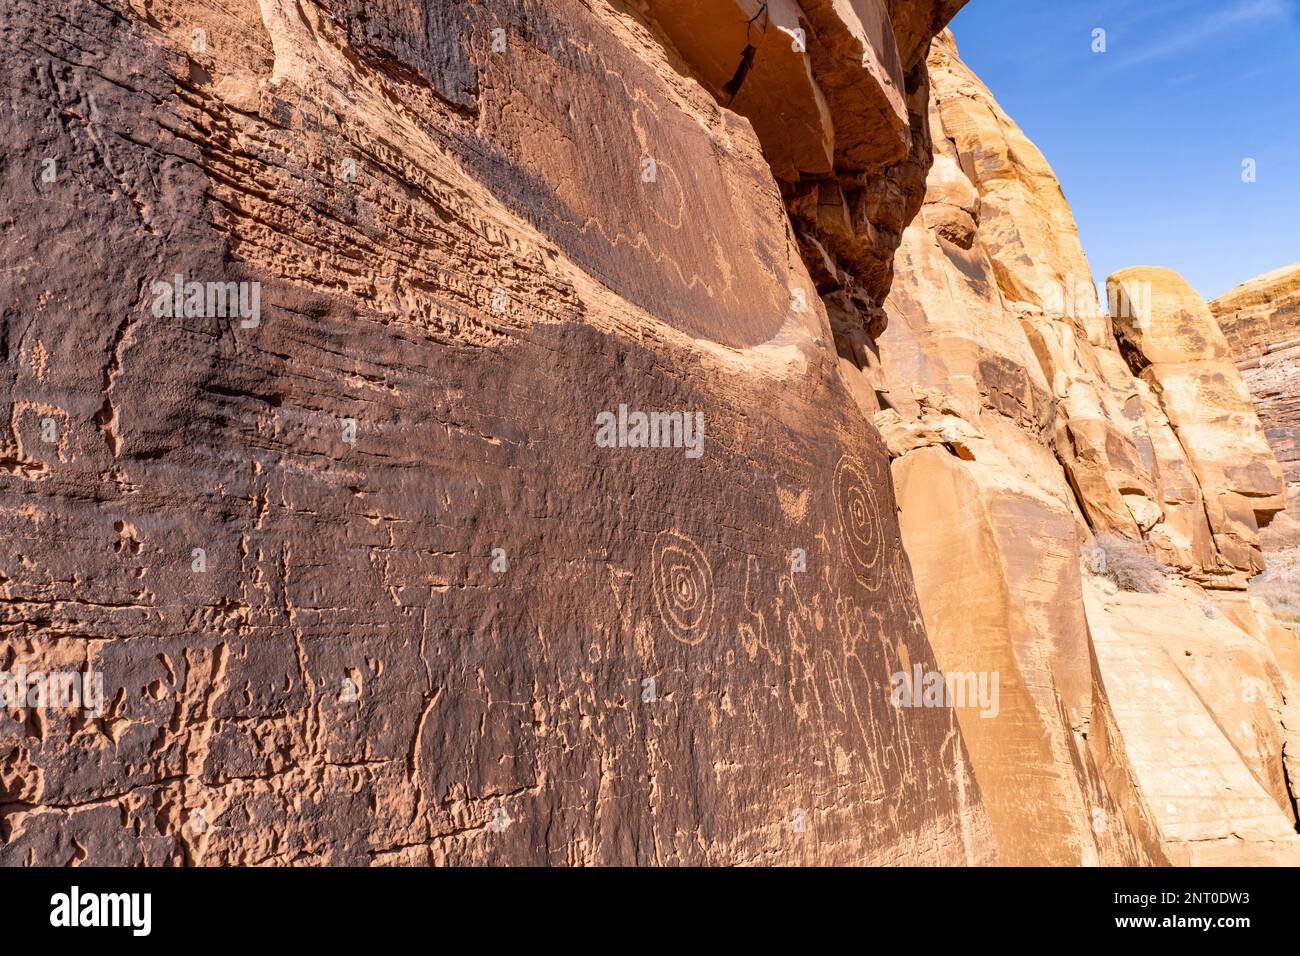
x=859 y=510
x=683 y=586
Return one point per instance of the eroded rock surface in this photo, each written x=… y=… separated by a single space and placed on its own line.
x=836 y=91
x=1261 y=320
x=361 y=583
x=377 y=565
x=1024 y=420
x=1177 y=349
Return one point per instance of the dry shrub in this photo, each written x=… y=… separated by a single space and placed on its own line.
x=1279 y=585
x=1124 y=562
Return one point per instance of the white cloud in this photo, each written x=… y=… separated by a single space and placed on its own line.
x=1208 y=28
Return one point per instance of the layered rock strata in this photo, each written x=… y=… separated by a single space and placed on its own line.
x=600 y=432
x=1024 y=420
x=836 y=91
x=313 y=315
x=1261 y=320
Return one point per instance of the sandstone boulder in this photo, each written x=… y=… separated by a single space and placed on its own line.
x=1198 y=705
x=1171 y=339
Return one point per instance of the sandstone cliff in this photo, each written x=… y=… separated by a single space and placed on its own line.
x=360 y=585
x=1261 y=319
x=326 y=329
x=1025 y=421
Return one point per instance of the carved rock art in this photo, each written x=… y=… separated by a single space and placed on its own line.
x=858 y=506
x=683 y=587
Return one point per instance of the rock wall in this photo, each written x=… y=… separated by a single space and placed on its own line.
x=1024 y=422
x=1176 y=347
x=836 y=91
x=382 y=566
x=1261 y=320
x=331 y=337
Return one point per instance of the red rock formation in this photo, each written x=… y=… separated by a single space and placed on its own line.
x=333 y=331
x=362 y=584
x=843 y=127
x=1176 y=348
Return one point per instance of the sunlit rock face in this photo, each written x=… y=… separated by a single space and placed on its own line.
x=1175 y=345
x=1261 y=320
x=1024 y=421
x=604 y=432
x=377 y=551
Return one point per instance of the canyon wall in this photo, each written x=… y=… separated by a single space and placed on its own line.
x=331 y=336
x=1033 y=434
x=1261 y=320
x=373 y=567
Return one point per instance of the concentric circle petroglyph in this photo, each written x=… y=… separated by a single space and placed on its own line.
x=859 y=510
x=683 y=586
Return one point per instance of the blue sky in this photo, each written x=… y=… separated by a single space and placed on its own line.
x=1148 y=138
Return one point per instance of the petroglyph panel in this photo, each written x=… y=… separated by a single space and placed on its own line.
x=360 y=583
